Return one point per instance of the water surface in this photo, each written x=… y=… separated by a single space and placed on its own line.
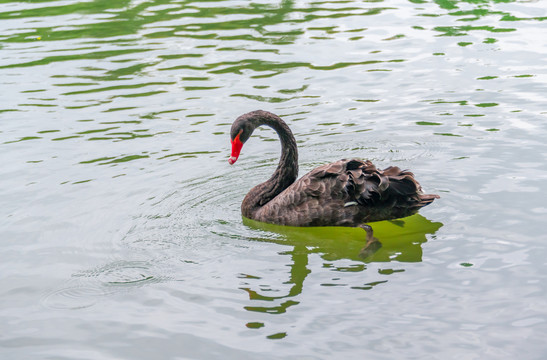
x=120 y=230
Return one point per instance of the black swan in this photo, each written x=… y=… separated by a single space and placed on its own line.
x=343 y=193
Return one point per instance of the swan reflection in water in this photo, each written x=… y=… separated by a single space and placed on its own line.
x=397 y=240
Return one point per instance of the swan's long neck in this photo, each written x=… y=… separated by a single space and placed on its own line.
x=287 y=169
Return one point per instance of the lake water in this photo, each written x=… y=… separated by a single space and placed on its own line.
x=120 y=229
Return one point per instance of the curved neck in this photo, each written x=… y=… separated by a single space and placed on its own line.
x=287 y=169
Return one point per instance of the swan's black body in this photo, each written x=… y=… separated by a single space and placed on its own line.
x=343 y=193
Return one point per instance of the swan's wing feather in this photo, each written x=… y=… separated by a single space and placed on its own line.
x=347 y=193
x=388 y=188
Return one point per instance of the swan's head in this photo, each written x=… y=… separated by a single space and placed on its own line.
x=241 y=131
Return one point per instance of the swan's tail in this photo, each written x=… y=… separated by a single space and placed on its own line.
x=426 y=199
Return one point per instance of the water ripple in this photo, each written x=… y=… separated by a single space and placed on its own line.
x=88 y=287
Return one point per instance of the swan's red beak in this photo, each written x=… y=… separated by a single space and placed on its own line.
x=236 y=149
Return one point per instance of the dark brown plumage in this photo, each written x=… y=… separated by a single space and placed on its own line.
x=343 y=193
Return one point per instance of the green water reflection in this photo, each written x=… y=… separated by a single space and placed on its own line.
x=401 y=241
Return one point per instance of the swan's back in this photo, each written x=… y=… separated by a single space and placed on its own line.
x=346 y=193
